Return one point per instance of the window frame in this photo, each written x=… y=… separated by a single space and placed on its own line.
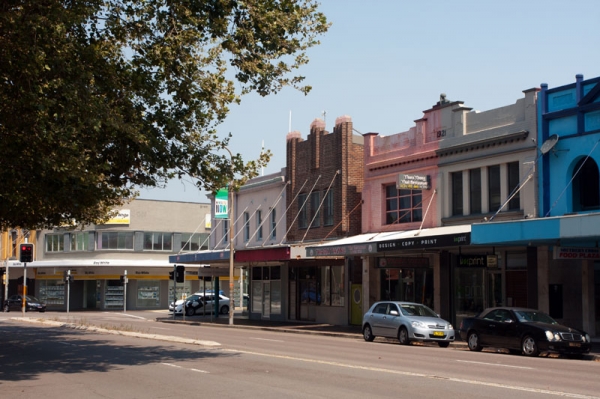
x=314 y=210
x=457 y=183
x=328 y=209
x=494 y=188
x=259 y=230
x=402 y=197
x=159 y=241
x=246 y=226
x=302 y=211
x=54 y=242
x=122 y=239
x=80 y=238
x=475 y=191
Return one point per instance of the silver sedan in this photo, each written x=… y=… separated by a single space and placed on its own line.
x=406 y=321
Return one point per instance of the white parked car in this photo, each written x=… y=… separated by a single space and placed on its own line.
x=199 y=303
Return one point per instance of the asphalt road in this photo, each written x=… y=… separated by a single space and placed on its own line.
x=109 y=355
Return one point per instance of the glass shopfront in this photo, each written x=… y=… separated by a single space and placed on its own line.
x=477 y=285
x=52 y=292
x=406 y=279
x=148 y=294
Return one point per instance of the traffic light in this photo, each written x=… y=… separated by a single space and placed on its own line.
x=171 y=275
x=26 y=253
x=180 y=273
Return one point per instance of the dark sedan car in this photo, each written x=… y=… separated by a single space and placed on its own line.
x=15 y=302
x=522 y=330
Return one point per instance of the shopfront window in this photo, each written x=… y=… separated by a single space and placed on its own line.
x=181 y=289
x=113 y=295
x=148 y=294
x=332 y=286
x=407 y=284
x=52 y=292
x=266 y=290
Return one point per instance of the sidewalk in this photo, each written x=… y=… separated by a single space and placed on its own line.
x=242 y=321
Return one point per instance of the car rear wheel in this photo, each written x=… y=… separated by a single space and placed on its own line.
x=473 y=342
x=368 y=333
x=403 y=336
x=190 y=311
x=6 y=307
x=224 y=309
x=529 y=346
x=444 y=344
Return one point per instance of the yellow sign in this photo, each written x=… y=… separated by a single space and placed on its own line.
x=122 y=217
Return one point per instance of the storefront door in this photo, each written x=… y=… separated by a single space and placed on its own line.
x=266 y=300
x=469 y=292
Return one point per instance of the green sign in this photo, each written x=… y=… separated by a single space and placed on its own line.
x=221 y=204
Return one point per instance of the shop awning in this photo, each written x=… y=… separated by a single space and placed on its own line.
x=200 y=257
x=570 y=230
x=370 y=243
x=93 y=263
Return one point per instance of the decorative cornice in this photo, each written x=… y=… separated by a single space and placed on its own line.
x=485 y=143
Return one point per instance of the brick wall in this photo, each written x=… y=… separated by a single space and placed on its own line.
x=316 y=162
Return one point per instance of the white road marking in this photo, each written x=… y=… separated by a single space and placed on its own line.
x=429 y=376
x=185 y=368
x=128 y=315
x=271 y=340
x=496 y=364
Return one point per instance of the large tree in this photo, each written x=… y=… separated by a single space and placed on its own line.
x=101 y=97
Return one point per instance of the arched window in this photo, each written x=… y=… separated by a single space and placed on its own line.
x=586 y=186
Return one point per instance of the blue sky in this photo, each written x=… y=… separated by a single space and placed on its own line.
x=384 y=62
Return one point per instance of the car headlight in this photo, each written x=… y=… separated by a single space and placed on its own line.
x=587 y=338
x=552 y=336
x=449 y=327
x=418 y=324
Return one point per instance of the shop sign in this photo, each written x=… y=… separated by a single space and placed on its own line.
x=490 y=261
x=401 y=262
x=123 y=216
x=221 y=204
x=341 y=250
x=413 y=182
x=576 y=253
x=448 y=240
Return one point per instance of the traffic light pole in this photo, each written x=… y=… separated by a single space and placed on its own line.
x=125 y=293
x=23 y=299
x=68 y=289
x=174 y=290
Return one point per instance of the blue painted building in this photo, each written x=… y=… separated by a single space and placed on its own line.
x=561 y=241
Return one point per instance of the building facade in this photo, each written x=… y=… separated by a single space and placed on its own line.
x=324 y=197
x=422 y=190
x=135 y=243
x=561 y=241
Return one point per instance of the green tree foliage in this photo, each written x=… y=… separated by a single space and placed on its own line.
x=101 y=97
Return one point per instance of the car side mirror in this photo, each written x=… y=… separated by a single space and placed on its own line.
x=394 y=312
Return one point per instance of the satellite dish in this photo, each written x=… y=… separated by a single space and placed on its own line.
x=549 y=144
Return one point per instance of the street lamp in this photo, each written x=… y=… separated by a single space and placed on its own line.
x=231 y=216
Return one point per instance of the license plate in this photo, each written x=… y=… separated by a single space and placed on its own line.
x=576 y=344
x=438 y=333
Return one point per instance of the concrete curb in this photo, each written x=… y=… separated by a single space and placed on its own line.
x=156 y=337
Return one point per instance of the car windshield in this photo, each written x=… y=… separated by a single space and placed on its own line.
x=410 y=309
x=30 y=298
x=535 y=316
